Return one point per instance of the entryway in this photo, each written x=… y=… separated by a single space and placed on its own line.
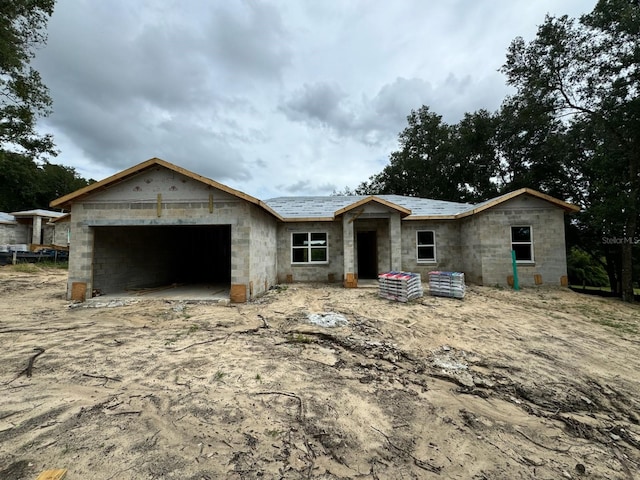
x=367 y=247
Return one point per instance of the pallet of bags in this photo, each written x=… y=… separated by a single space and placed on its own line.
x=400 y=286
x=447 y=284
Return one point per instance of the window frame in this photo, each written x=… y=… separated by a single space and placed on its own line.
x=419 y=245
x=309 y=247
x=530 y=243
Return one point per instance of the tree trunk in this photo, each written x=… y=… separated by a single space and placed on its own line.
x=611 y=269
x=627 y=259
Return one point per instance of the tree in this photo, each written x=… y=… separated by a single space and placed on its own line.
x=24 y=185
x=533 y=149
x=587 y=73
x=18 y=182
x=23 y=96
x=440 y=161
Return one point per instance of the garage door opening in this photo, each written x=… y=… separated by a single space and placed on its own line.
x=129 y=259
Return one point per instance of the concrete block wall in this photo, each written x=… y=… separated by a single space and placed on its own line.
x=141 y=263
x=61 y=233
x=315 y=272
x=448 y=249
x=81 y=254
x=184 y=201
x=471 y=250
x=263 y=262
x=493 y=227
x=11 y=234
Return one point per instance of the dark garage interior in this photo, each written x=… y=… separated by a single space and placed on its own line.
x=137 y=257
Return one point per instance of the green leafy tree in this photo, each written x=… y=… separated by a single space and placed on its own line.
x=534 y=149
x=25 y=185
x=428 y=163
x=18 y=182
x=584 y=270
x=477 y=156
x=587 y=72
x=23 y=96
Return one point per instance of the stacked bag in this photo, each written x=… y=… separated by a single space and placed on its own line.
x=400 y=286
x=447 y=284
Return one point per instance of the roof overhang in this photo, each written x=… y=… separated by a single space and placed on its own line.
x=404 y=212
x=66 y=201
x=567 y=207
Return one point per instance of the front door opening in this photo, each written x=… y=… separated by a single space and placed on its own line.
x=367 y=254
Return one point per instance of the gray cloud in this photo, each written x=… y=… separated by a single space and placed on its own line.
x=319 y=104
x=307 y=187
x=270 y=97
x=251 y=41
x=156 y=89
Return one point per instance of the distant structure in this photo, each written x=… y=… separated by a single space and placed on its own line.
x=33 y=228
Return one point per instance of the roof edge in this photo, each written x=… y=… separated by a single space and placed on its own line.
x=372 y=198
x=568 y=207
x=65 y=201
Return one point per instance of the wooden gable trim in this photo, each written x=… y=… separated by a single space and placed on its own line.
x=67 y=200
x=568 y=207
x=402 y=210
x=430 y=217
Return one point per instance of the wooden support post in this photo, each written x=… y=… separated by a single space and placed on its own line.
x=159 y=206
x=211 y=202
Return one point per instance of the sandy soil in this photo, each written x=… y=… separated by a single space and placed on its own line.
x=542 y=383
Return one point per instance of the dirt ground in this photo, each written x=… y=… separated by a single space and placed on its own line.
x=542 y=383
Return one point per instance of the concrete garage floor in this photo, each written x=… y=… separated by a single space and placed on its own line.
x=218 y=293
x=189 y=291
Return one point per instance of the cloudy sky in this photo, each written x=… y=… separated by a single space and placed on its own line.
x=273 y=98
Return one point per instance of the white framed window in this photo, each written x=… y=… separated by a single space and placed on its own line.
x=522 y=243
x=426 y=246
x=309 y=247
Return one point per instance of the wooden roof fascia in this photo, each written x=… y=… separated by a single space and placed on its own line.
x=268 y=209
x=430 y=217
x=125 y=174
x=372 y=198
x=65 y=200
x=307 y=219
x=534 y=193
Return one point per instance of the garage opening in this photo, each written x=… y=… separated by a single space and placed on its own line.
x=134 y=258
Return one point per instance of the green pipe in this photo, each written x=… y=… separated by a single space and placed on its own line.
x=516 y=283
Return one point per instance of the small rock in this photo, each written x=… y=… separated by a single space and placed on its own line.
x=446 y=348
x=566 y=474
x=614 y=437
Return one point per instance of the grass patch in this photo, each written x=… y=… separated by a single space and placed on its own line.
x=27 y=267
x=299 y=338
x=620 y=327
x=636 y=291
